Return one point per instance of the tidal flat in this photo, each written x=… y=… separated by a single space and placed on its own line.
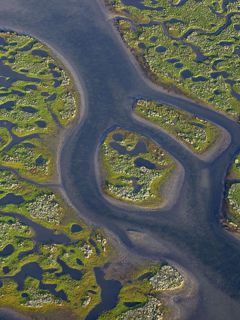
x=188 y=232
x=50 y=260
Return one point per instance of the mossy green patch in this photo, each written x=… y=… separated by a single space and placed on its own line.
x=32 y=158
x=233 y=202
x=134 y=168
x=5 y=137
x=195 y=132
x=234 y=171
x=66 y=266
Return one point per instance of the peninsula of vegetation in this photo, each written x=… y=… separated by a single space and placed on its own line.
x=196 y=133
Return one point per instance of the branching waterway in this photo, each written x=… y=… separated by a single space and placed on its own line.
x=81 y=32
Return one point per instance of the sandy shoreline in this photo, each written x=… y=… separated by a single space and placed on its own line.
x=179 y=300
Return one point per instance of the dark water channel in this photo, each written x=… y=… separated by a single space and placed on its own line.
x=109 y=295
x=81 y=32
x=33 y=270
x=140 y=5
x=42 y=234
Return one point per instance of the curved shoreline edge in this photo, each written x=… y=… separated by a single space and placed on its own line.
x=173 y=182
x=189 y=291
x=219 y=145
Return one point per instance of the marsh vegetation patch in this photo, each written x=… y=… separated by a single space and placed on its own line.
x=134 y=168
x=195 y=132
x=142 y=297
x=46 y=263
x=184 y=44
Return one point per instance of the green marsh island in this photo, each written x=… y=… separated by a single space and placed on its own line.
x=196 y=133
x=134 y=169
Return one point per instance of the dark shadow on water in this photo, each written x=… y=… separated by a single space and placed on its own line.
x=11 y=198
x=140 y=162
x=33 y=270
x=29 y=109
x=40 y=53
x=75 y=274
x=109 y=295
x=11 y=76
x=75 y=228
x=41 y=124
x=7 y=251
x=140 y=5
x=139 y=148
x=132 y=304
x=8 y=105
x=42 y=235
